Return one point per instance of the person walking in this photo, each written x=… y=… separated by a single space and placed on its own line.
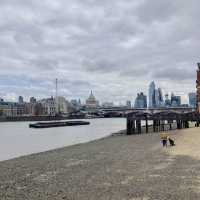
x=164 y=137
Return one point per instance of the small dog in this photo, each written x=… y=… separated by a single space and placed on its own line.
x=171 y=142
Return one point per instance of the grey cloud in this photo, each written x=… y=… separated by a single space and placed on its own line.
x=87 y=43
x=156 y=10
x=175 y=74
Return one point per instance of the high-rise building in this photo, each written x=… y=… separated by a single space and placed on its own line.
x=128 y=104
x=175 y=101
x=33 y=100
x=140 y=101
x=192 y=99
x=160 y=98
x=49 y=106
x=157 y=102
x=76 y=104
x=20 y=100
x=79 y=102
x=198 y=88
x=167 y=101
x=152 y=101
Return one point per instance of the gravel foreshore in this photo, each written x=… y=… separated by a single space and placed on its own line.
x=115 y=168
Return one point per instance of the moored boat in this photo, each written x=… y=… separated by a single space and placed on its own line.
x=58 y=124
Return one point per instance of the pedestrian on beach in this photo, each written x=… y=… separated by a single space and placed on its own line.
x=164 y=138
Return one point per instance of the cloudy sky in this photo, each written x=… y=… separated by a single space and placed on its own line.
x=113 y=47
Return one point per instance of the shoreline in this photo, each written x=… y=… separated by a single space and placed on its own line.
x=126 y=167
x=115 y=134
x=59 y=148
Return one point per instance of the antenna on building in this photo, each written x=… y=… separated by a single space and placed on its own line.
x=56 y=88
x=56 y=100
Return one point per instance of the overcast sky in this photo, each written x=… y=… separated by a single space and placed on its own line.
x=113 y=47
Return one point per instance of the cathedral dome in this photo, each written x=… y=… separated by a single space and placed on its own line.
x=91 y=101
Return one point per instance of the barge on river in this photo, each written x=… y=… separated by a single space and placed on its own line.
x=58 y=124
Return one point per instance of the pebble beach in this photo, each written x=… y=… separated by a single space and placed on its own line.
x=122 y=167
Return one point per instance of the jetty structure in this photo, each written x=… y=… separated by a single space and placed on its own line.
x=181 y=118
x=160 y=120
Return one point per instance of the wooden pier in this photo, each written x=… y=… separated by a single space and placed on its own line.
x=160 y=120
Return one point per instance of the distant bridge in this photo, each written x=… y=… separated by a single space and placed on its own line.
x=150 y=110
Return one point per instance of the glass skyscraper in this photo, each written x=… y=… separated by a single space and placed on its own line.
x=152 y=101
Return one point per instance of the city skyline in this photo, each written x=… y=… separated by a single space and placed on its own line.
x=151 y=93
x=113 y=48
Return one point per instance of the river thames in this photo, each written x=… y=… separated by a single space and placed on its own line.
x=17 y=139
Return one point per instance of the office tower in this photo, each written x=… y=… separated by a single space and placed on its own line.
x=128 y=104
x=192 y=99
x=152 y=101
x=160 y=98
x=140 y=101
x=33 y=100
x=20 y=100
x=167 y=101
x=175 y=100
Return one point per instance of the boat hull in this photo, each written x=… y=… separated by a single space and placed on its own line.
x=58 y=124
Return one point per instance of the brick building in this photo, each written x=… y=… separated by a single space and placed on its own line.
x=198 y=88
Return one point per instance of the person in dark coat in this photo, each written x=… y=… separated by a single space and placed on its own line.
x=163 y=137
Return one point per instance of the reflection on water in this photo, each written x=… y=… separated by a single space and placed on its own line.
x=17 y=139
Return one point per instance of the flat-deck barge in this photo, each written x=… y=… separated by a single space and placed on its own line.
x=58 y=124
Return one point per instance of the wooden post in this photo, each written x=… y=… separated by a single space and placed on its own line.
x=154 y=125
x=178 y=124
x=181 y=123
x=128 y=126
x=170 y=126
x=170 y=122
x=163 y=125
x=147 y=126
x=138 y=125
x=133 y=127
x=159 y=125
x=187 y=124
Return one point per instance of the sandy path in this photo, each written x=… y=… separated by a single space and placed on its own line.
x=187 y=143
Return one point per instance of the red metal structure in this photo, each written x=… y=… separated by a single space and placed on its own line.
x=198 y=88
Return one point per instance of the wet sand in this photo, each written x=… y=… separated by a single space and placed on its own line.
x=115 y=168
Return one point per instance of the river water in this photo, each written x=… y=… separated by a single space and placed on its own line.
x=17 y=139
